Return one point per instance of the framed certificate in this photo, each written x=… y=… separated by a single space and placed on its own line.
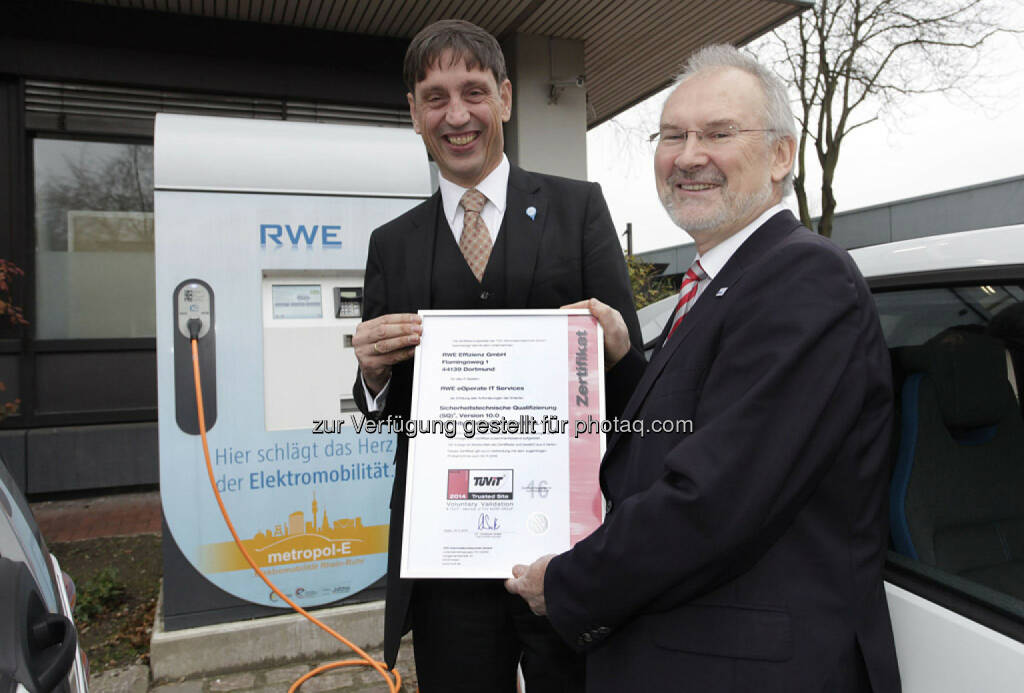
x=505 y=442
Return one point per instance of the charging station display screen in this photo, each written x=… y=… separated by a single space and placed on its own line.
x=293 y=302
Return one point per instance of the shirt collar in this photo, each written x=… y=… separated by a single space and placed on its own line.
x=714 y=260
x=494 y=187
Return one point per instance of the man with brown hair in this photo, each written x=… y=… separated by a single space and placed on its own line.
x=493 y=236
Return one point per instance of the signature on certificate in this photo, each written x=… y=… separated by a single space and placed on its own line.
x=488 y=523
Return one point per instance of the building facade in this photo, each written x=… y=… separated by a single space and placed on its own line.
x=80 y=83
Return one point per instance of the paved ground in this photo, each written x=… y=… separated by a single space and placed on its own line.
x=126 y=514
x=121 y=514
x=277 y=680
x=135 y=679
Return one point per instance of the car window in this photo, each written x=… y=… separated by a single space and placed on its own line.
x=19 y=538
x=956 y=507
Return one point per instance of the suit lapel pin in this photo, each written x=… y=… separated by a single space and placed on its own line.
x=531 y=212
x=721 y=292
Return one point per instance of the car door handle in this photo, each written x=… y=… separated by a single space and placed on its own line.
x=53 y=641
x=36 y=647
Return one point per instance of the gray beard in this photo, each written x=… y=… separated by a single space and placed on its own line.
x=733 y=208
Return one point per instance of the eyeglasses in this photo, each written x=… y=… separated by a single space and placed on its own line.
x=714 y=136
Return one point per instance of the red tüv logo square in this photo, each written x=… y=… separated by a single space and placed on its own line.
x=458 y=484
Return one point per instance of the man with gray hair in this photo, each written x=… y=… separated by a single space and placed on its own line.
x=744 y=553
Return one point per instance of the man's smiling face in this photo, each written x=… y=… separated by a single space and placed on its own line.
x=713 y=189
x=459 y=112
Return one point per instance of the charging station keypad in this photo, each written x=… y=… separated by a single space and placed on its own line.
x=348 y=303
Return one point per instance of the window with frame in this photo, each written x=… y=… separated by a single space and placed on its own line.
x=94 y=239
x=956 y=508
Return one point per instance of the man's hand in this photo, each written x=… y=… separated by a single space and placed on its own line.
x=528 y=583
x=382 y=342
x=616 y=336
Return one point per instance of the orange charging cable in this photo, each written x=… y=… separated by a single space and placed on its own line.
x=393 y=678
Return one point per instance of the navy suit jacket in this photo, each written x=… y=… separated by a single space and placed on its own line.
x=567 y=252
x=746 y=555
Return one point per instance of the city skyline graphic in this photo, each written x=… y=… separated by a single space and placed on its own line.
x=297 y=540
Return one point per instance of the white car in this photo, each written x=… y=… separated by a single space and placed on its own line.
x=952 y=310
x=38 y=643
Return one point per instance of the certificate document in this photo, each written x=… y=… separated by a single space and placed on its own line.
x=504 y=456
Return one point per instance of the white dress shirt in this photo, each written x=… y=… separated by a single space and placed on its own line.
x=714 y=260
x=495 y=188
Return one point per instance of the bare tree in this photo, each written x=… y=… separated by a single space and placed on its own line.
x=851 y=61
x=123 y=181
x=633 y=128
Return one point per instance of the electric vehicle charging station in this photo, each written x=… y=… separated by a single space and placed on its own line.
x=261 y=235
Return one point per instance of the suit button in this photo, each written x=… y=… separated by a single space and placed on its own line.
x=484 y=296
x=587 y=637
x=603 y=630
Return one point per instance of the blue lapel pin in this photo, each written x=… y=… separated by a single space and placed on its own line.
x=721 y=292
x=531 y=212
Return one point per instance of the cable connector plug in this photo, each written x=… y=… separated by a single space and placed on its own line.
x=195 y=325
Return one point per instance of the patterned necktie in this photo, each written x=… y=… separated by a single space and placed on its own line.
x=475 y=242
x=687 y=291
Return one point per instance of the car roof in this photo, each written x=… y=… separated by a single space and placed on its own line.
x=996 y=247
x=993 y=247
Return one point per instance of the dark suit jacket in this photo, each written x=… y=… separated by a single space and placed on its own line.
x=746 y=555
x=568 y=252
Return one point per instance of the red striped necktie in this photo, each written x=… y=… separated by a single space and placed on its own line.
x=687 y=292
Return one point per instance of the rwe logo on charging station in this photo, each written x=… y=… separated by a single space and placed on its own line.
x=278 y=235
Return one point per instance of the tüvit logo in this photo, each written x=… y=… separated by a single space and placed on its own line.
x=479 y=484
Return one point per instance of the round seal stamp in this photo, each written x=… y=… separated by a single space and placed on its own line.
x=538 y=523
